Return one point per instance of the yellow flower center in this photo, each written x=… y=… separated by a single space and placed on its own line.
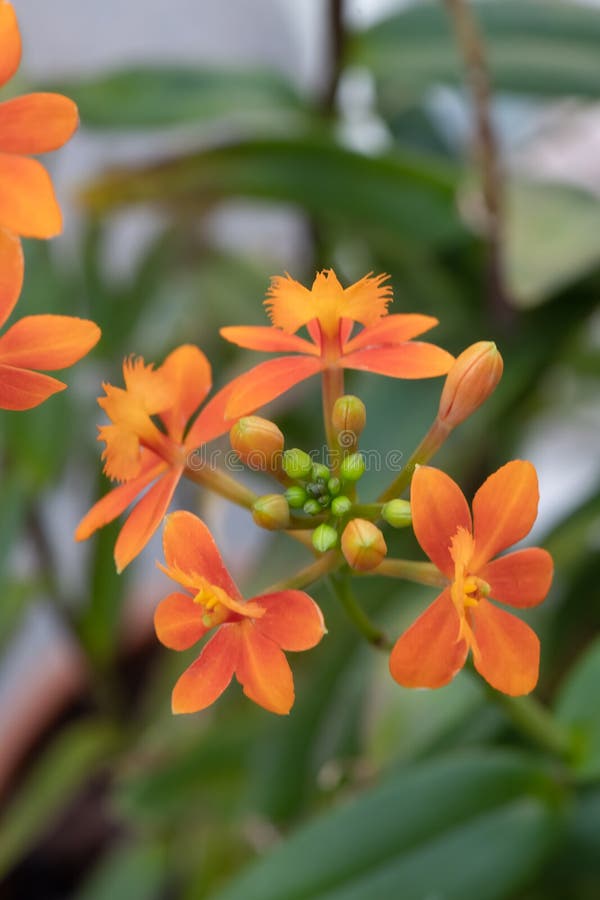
x=467 y=589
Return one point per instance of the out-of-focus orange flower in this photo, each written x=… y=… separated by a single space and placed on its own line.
x=505 y=650
x=141 y=451
x=250 y=636
x=329 y=312
x=31 y=124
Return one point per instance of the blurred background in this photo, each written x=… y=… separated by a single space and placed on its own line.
x=221 y=144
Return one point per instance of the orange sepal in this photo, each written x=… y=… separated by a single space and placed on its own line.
x=504 y=510
x=27 y=202
x=188 y=374
x=439 y=509
x=36 y=123
x=145 y=519
x=178 y=622
x=395 y=329
x=263 y=671
x=190 y=547
x=23 y=389
x=48 y=341
x=410 y=360
x=292 y=620
x=267 y=339
x=11 y=272
x=428 y=654
x=267 y=381
x=206 y=679
x=521 y=579
x=10 y=42
x=506 y=651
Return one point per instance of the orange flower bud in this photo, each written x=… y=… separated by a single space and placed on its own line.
x=348 y=417
x=272 y=512
x=472 y=378
x=257 y=442
x=363 y=545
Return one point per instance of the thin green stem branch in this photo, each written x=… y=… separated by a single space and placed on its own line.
x=536 y=722
x=332 y=383
x=430 y=444
x=309 y=574
x=420 y=572
x=222 y=484
x=342 y=589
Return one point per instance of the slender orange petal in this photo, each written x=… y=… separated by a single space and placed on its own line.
x=189 y=376
x=409 y=360
x=178 y=622
x=268 y=339
x=207 y=678
x=11 y=272
x=267 y=381
x=211 y=422
x=366 y=301
x=145 y=519
x=263 y=671
x=36 y=123
x=439 y=509
x=10 y=42
x=392 y=330
x=522 y=578
x=23 y=389
x=116 y=501
x=289 y=304
x=48 y=341
x=292 y=619
x=27 y=202
x=504 y=510
x=189 y=546
x=507 y=651
x=428 y=654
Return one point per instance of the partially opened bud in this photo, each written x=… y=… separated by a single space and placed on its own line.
x=363 y=545
x=348 y=417
x=397 y=513
x=257 y=442
x=272 y=512
x=472 y=378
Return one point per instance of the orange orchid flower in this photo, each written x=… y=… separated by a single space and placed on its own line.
x=250 y=636
x=329 y=312
x=141 y=451
x=505 y=650
x=31 y=124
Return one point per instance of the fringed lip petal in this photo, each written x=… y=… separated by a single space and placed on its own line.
x=520 y=579
x=48 y=341
x=439 y=509
x=410 y=360
x=206 y=679
x=367 y=300
x=396 y=329
x=506 y=651
x=11 y=272
x=263 y=671
x=23 y=389
x=267 y=381
x=428 y=654
x=291 y=619
x=504 y=510
x=28 y=205
x=145 y=518
x=189 y=546
x=36 y=123
x=289 y=304
x=268 y=340
x=178 y=622
x=10 y=42
x=188 y=372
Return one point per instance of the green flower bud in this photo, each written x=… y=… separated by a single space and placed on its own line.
x=320 y=471
x=333 y=486
x=271 y=512
x=353 y=467
x=397 y=513
x=296 y=496
x=312 y=507
x=296 y=463
x=324 y=538
x=341 y=505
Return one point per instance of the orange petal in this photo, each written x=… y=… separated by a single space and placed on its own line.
x=48 y=341
x=267 y=381
x=263 y=671
x=10 y=42
x=27 y=202
x=504 y=510
x=207 y=678
x=428 y=653
x=289 y=304
x=36 y=123
x=391 y=330
x=439 y=509
x=409 y=360
x=507 y=651
x=145 y=519
x=292 y=619
x=11 y=272
x=190 y=547
x=178 y=622
x=366 y=300
x=268 y=339
x=522 y=578
x=23 y=389
x=211 y=422
x=188 y=373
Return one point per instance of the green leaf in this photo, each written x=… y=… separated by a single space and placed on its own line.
x=577 y=706
x=408 y=196
x=128 y=872
x=417 y=834
x=534 y=48
x=154 y=97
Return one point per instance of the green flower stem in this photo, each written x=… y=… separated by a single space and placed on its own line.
x=536 y=722
x=322 y=566
x=222 y=484
x=430 y=444
x=297 y=523
x=371 y=511
x=332 y=385
x=342 y=589
x=421 y=572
